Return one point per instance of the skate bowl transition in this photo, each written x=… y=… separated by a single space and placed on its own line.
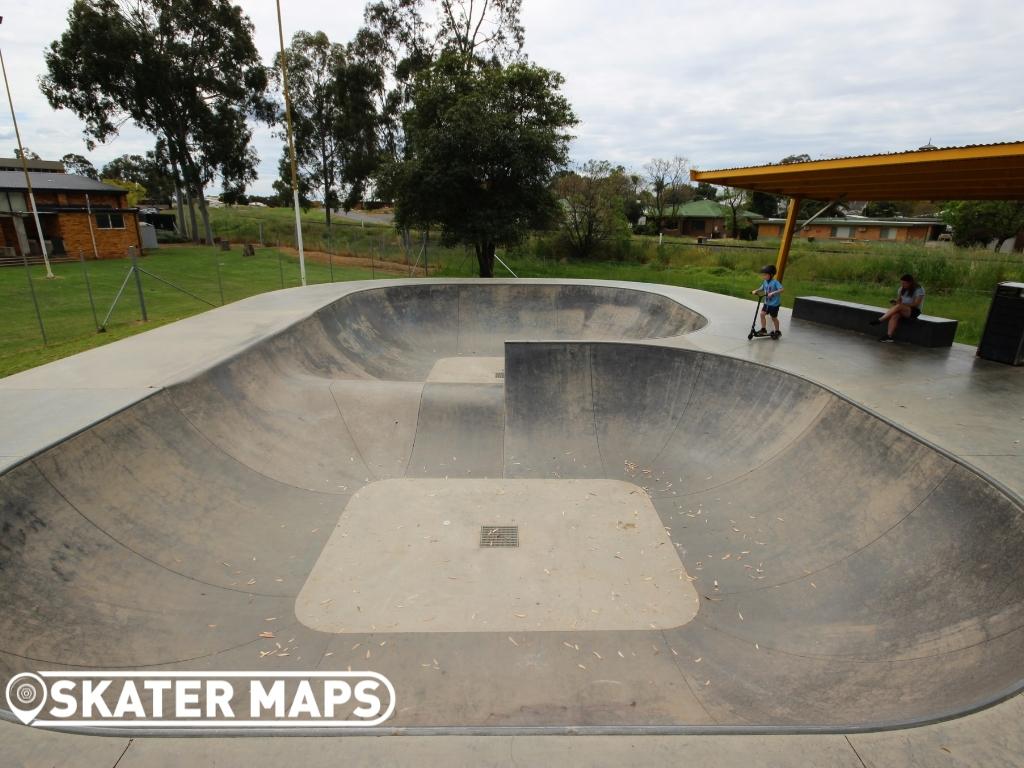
x=528 y=510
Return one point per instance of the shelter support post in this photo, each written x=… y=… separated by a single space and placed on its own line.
x=787 y=236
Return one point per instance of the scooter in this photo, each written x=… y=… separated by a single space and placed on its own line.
x=774 y=335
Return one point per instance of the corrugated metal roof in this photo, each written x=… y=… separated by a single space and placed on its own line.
x=55 y=182
x=864 y=157
x=974 y=172
x=14 y=164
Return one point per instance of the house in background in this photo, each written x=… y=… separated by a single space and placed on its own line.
x=63 y=213
x=699 y=218
x=860 y=228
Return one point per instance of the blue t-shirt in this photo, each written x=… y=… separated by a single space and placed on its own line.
x=767 y=287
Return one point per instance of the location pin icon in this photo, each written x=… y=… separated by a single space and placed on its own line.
x=26 y=695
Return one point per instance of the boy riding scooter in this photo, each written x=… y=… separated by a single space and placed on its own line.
x=771 y=291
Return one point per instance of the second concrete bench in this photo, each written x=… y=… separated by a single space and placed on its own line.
x=926 y=330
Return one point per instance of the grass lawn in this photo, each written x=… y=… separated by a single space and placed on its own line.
x=65 y=304
x=959 y=282
x=344 y=237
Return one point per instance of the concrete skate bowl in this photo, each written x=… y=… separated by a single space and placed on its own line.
x=703 y=542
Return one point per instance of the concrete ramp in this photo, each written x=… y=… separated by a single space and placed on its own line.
x=702 y=541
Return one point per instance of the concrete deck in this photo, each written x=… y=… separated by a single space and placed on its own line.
x=881 y=610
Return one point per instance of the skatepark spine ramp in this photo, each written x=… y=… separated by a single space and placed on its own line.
x=849 y=575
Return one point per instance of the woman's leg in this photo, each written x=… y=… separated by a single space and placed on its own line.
x=896 y=314
x=886 y=315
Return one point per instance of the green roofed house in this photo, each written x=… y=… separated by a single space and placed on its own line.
x=701 y=218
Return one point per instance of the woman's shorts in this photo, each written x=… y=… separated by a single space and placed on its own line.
x=773 y=311
x=915 y=312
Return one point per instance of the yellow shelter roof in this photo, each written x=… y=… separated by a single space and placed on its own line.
x=977 y=172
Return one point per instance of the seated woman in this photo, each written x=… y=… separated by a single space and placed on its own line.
x=906 y=306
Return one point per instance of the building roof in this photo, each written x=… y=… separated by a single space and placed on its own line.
x=696 y=209
x=974 y=172
x=14 y=164
x=56 y=182
x=700 y=209
x=705 y=209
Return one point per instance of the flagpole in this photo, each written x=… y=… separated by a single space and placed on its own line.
x=24 y=167
x=291 y=148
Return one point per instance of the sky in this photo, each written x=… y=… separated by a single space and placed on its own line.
x=724 y=84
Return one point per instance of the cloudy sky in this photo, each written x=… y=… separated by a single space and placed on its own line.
x=723 y=83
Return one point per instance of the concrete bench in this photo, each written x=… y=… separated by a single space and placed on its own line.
x=926 y=330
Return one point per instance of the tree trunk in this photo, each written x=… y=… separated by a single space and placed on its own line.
x=205 y=213
x=179 y=223
x=328 y=187
x=485 y=257
x=193 y=228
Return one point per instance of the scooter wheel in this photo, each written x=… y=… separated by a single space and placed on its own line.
x=750 y=336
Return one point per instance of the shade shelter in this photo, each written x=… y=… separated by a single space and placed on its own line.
x=977 y=172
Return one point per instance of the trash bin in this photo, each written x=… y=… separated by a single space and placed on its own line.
x=1003 y=338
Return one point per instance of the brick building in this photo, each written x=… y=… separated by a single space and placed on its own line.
x=854 y=228
x=61 y=199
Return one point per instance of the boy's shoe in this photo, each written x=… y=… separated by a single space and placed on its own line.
x=761 y=333
x=887 y=340
x=776 y=335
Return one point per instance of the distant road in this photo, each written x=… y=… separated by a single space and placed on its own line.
x=366 y=218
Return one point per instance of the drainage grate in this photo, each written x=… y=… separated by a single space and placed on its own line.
x=499 y=375
x=499 y=535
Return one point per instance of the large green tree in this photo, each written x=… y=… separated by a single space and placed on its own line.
x=482 y=144
x=979 y=222
x=187 y=71
x=334 y=119
x=403 y=38
x=144 y=170
x=80 y=165
x=593 y=202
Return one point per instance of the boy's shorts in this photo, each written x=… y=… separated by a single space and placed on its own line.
x=772 y=311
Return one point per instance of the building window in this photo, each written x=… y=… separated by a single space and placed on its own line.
x=842 y=232
x=109 y=221
x=887 y=233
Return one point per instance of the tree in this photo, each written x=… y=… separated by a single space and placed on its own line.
x=400 y=38
x=636 y=196
x=663 y=176
x=313 y=61
x=593 y=211
x=136 y=192
x=764 y=203
x=887 y=208
x=679 y=194
x=79 y=165
x=29 y=154
x=482 y=144
x=705 y=191
x=145 y=171
x=979 y=222
x=187 y=72
x=734 y=199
